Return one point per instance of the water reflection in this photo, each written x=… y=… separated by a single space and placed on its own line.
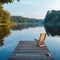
x=53 y=40
x=24 y=26
x=28 y=33
x=52 y=30
x=4 y=32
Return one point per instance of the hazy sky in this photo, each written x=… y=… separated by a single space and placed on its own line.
x=32 y=8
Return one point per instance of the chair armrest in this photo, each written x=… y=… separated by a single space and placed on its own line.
x=36 y=40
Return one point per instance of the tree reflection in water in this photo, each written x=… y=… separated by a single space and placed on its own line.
x=4 y=32
x=25 y=26
x=52 y=30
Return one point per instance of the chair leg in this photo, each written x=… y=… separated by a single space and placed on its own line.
x=43 y=45
x=40 y=44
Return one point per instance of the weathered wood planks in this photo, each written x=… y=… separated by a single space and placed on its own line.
x=27 y=50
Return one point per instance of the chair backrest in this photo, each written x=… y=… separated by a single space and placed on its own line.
x=42 y=37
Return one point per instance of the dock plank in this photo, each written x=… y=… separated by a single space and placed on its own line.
x=28 y=50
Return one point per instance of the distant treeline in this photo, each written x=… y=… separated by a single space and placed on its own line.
x=20 y=19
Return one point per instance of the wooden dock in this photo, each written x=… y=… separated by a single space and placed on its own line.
x=27 y=50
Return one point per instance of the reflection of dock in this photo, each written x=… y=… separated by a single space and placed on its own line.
x=26 y=50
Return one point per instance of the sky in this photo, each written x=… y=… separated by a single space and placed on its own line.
x=32 y=8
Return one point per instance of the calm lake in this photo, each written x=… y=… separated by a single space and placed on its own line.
x=10 y=37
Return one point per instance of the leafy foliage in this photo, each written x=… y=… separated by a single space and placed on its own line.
x=52 y=17
x=4 y=16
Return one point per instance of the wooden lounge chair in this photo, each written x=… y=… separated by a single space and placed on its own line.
x=40 y=41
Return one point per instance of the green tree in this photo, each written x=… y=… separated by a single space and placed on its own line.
x=4 y=15
x=1 y=13
x=52 y=17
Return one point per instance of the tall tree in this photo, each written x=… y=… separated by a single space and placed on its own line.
x=52 y=18
x=4 y=15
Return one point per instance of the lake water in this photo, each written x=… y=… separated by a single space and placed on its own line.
x=10 y=37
